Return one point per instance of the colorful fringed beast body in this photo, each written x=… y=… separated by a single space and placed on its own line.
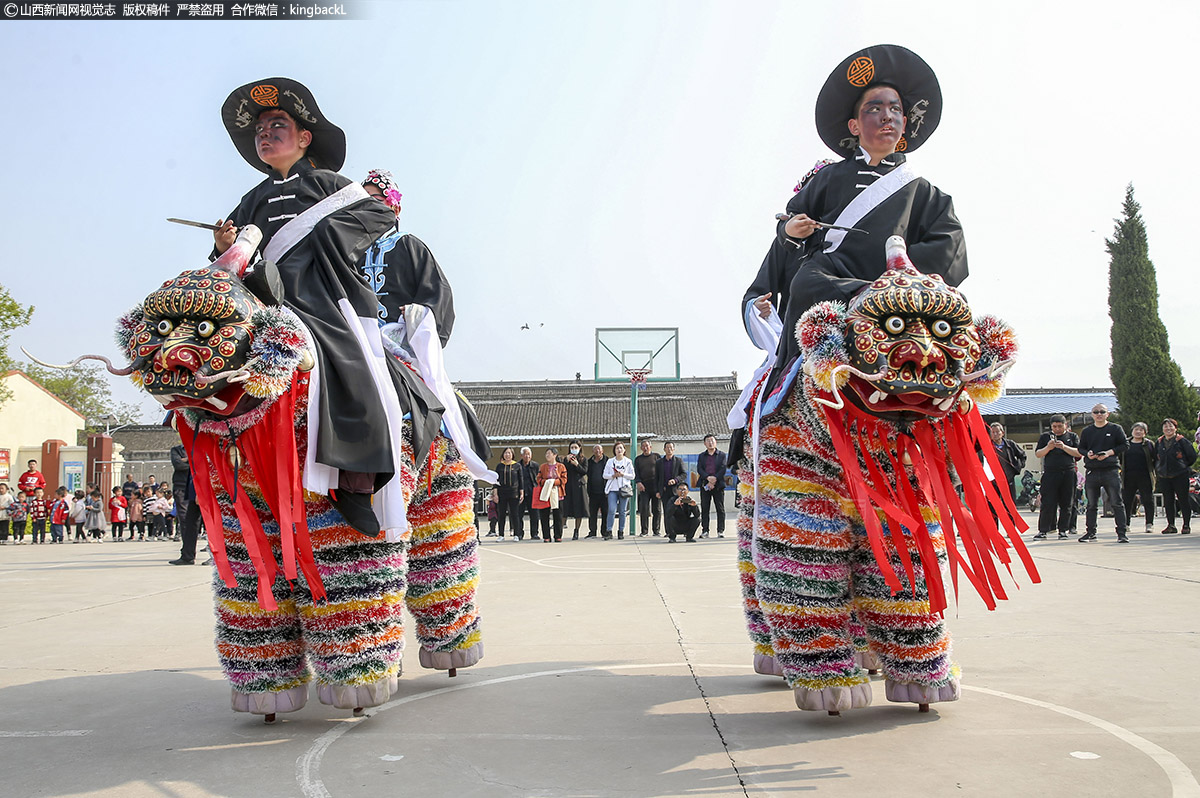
x=299 y=593
x=850 y=513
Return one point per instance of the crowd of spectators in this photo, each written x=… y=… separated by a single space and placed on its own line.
x=1118 y=470
x=574 y=487
x=146 y=511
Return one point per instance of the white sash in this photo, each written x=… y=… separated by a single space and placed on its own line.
x=291 y=233
x=867 y=201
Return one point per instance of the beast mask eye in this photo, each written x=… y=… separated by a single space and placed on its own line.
x=164 y=327
x=205 y=328
x=894 y=325
x=941 y=328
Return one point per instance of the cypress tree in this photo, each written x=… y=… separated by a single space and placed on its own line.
x=1149 y=384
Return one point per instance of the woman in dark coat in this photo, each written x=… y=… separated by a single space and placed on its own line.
x=1175 y=459
x=573 y=506
x=510 y=494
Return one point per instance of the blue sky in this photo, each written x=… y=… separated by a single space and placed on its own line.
x=581 y=165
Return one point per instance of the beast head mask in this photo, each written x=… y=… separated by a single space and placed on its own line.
x=204 y=340
x=906 y=346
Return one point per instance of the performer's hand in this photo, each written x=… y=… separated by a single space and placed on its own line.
x=763 y=305
x=800 y=226
x=225 y=235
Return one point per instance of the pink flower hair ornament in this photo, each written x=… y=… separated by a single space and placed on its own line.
x=383 y=180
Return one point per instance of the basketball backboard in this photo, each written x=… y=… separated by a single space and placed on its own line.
x=621 y=349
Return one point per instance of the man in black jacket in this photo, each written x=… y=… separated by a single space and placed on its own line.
x=682 y=515
x=645 y=471
x=1102 y=444
x=597 y=498
x=671 y=472
x=529 y=472
x=711 y=467
x=186 y=508
x=1011 y=456
x=1058 y=453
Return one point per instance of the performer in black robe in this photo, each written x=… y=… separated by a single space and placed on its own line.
x=319 y=281
x=835 y=265
x=402 y=271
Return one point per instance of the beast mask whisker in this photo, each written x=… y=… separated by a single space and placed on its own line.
x=125 y=372
x=838 y=402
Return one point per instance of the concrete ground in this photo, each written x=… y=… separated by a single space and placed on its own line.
x=611 y=669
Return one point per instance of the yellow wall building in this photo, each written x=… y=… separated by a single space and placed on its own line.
x=31 y=416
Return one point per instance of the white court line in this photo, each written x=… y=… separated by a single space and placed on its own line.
x=63 y=733
x=308 y=765
x=717 y=565
x=1183 y=783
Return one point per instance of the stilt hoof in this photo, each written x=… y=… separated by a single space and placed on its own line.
x=359 y=712
x=360 y=696
x=922 y=707
x=269 y=718
x=767 y=665
x=452 y=672
x=920 y=694
x=265 y=703
x=448 y=660
x=833 y=699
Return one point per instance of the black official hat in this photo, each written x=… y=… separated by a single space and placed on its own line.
x=883 y=63
x=242 y=107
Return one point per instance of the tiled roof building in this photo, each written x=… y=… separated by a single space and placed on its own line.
x=560 y=410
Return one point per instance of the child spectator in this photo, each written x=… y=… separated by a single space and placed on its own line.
x=60 y=515
x=18 y=513
x=79 y=515
x=156 y=508
x=6 y=500
x=137 y=518
x=117 y=513
x=94 y=516
x=39 y=511
x=492 y=506
x=168 y=516
x=169 y=530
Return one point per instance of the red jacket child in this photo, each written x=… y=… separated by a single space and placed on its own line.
x=39 y=508
x=116 y=508
x=60 y=511
x=31 y=480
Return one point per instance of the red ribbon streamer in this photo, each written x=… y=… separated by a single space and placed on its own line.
x=270 y=452
x=969 y=521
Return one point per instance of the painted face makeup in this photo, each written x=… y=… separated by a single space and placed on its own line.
x=880 y=121
x=278 y=140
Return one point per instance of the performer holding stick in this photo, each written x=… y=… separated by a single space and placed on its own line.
x=316 y=225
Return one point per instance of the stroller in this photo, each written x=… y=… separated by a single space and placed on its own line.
x=1029 y=495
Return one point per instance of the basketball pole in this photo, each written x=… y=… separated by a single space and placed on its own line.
x=633 y=424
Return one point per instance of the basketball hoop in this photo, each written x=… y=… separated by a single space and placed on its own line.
x=637 y=378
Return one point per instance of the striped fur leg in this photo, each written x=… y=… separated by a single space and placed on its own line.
x=862 y=651
x=444 y=561
x=756 y=624
x=356 y=636
x=912 y=644
x=801 y=553
x=261 y=652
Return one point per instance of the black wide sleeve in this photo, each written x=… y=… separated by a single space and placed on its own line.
x=424 y=283
x=938 y=246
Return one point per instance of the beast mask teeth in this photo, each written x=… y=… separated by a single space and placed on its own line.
x=919 y=332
